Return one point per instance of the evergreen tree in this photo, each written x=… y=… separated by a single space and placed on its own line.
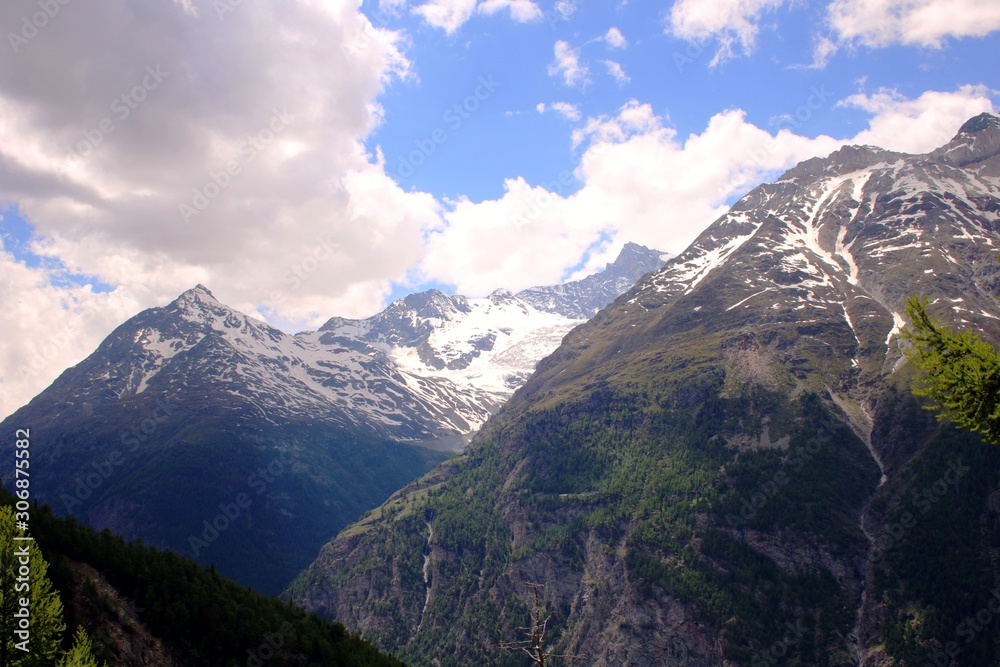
x=45 y=622
x=81 y=655
x=961 y=372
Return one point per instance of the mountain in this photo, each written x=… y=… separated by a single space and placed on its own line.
x=726 y=466
x=582 y=299
x=431 y=368
x=198 y=428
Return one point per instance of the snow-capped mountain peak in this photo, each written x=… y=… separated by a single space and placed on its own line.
x=429 y=366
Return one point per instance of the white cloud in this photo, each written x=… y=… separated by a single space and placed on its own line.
x=637 y=180
x=567 y=64
x=103 y=177
x=880 y=23
x=565 y=8
x=870 y=23
x=564 y=109
x=449 y=15
x=48 y=328
x=728 y=21
x=824 y=50
x=522 y=11
x=615 y=70
x=615 y=39
x=920 y=125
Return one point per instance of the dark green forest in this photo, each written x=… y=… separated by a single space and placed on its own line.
x=204 y=619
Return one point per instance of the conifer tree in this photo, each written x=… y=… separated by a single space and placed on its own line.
x=82 y=654
x=961 y=372
x=23 y=576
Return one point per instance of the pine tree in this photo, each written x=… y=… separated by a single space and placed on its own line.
x=45 y=619
x=961 y=372
x=82 y=654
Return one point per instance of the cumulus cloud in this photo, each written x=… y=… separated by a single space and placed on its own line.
x=638 y=180
x=48 y=327
x=567 y=64
x=919 y=125
x=870 y=23
x=731 y=22
x=880 y=23
x=615 y=39
x=450 y=15
x=190 y=145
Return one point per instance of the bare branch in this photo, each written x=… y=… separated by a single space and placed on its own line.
x=534 y=645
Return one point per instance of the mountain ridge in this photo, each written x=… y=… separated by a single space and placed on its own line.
x=194 y=415
x=727 y=450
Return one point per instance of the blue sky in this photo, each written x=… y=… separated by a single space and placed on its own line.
x=671 y=74
x=311 y=158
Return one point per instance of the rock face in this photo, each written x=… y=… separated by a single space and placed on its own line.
x=726 y=465
x=195 y=427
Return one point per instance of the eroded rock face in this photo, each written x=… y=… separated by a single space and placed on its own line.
x=716 y=468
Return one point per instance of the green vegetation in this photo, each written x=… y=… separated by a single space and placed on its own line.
x=204 y=619
x=731 y=487
x=31 y=613
x=961 y=372
x=934 y=569
x=645 y=470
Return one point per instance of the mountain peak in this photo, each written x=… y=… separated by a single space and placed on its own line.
x=981 y=123
x=977 y=143
x=634 y=256
x=580 y=299
x=198 y=297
